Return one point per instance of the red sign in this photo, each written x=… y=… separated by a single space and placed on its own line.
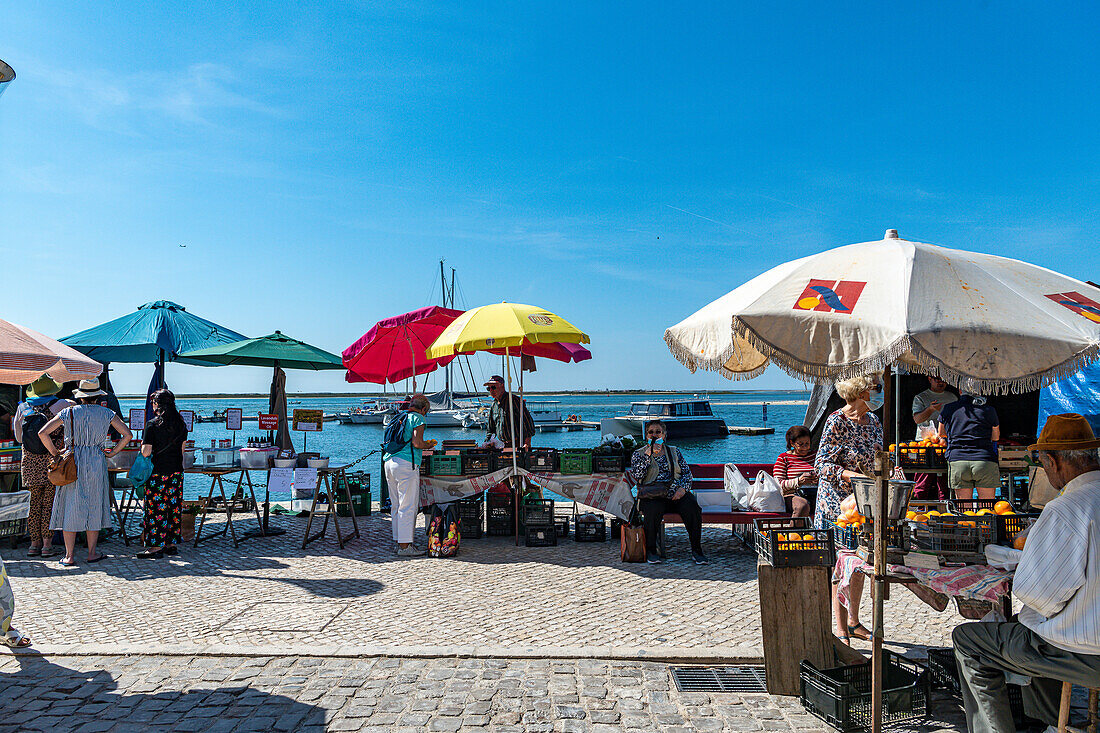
x=1079 y=304
x=830 y=296
x=269 y=422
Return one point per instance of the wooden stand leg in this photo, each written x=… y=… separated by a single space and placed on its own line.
x=795 y=618
x=1063 y=708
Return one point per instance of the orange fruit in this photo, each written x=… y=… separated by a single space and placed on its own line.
x=910 y=514
x=985 y=512
x=780 y=537
x=1018 y=543
x=934 y=513
x=1002 y=507
x=922 y=518
x=969 y=513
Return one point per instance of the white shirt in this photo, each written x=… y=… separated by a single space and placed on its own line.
x=1058 y=579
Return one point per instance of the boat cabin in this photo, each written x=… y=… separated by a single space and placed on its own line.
x=671 y=408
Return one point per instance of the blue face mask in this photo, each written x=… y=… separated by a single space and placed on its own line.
x=876 y=400
x=657 y=441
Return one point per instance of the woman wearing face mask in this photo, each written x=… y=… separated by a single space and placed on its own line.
x=851 y=437
x=794 y=471
x=162 y=443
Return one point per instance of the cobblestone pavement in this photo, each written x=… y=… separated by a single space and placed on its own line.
x=495 y=599
x=149 y=693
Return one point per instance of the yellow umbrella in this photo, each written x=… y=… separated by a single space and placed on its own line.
x=507 y=326
x=504 y=326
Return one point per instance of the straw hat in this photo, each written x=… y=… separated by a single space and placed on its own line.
x=88 y=388
x=43 y=387
x=1066 y=432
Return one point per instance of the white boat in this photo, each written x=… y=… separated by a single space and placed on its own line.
x=544 y=411
x=684 y=418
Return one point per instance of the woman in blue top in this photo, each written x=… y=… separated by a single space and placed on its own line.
x=403 y=476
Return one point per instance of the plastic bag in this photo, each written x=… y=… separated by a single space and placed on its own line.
x=737 y=486
x=927 y=430
x=1005 y=558
x=765 y=494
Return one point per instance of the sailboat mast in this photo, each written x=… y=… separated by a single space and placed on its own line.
x=443 y=289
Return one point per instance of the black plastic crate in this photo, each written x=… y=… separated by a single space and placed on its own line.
x=537 y=513
x=503 y=459
x=896 y=536
x=541 y=536
x=471 y=512
x=426 y=463
x=477 y=462
x=924 y=457
x=13 y=528
x=561 y=525
x=607 y=463
x=587 y=529
x=943 y=674
x=841 y=696
x=1007 y=526
x=499 y=529
x=813 y=546
x=542 y=460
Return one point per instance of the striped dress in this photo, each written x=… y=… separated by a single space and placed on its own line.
x=86 y=503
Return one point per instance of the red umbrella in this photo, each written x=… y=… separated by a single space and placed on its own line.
x=394 y=348
x=557 y=350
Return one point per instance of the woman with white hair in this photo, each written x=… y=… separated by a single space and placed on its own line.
x=849 y=441
x=403 y=473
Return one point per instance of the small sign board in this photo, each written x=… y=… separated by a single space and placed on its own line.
x=279 y=480
x=309 y=421
x=188 y=419
x=268 y=422
x=137 y=418
x=233 y=418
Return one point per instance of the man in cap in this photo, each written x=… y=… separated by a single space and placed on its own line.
x=509 y=413
x=1057 y=635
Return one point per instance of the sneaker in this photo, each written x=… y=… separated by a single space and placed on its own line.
x=653 y=558
x=410 y=551
x=699 y=558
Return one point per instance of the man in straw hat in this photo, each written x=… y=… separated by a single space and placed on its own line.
x=41 y=405
x=1057 y=636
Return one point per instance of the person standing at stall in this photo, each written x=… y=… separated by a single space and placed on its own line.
x=972 y=429
x=508 y=412
x=402 y=463
x=41 y=405
x=926 y=407
x=1056 y=637
x=162 y=443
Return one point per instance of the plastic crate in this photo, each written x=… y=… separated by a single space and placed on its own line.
x=773 y=546
x=445 y=465
x=1007 y=526
x=541 y=536
x=918 y=458
x=896 y=536
x=477 y=462
x=607 y=463
x=943 y=674
x=499 y=506
x=561 y=526
x=586 y=529
x=841 y=696
x=537 y=513
x=426 y=463
x=503 y=459
x=575 y=461
x=921 y=506
x=844 y=537
x=947 y=535
x=471 y=513
x=958 y=506
x=542 y=460
x=13 y=528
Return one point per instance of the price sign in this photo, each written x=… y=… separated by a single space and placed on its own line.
x=137 y=418
x=233 y=418
x=279 y=480
x=188 y=419
x=309 y=421
x=268 y=422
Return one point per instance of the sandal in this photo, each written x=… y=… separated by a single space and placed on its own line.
x=15 y=639
x=71 y=564
x=48 y=552
x=860 y=632
x=34 y=552
x=97 y=558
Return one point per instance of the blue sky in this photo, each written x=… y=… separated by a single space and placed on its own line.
x=620 y=164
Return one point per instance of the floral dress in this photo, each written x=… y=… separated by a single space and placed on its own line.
x=845 y=446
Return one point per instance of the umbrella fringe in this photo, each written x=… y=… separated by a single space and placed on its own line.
x=714 y=364
x=904 y=346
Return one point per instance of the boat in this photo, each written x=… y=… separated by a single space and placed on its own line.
x=684 y=418
x=445 y=412
x=544 y=411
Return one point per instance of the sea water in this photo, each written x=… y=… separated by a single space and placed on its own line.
x=346 y=443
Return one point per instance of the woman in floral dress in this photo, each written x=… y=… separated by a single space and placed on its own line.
x=162 y=442
x=851 y=437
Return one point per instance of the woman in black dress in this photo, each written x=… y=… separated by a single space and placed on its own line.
x=163 y=442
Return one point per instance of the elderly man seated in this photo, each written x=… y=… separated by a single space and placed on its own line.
x=1057 y=636
x=664 y=485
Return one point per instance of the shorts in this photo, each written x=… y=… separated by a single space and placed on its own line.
x=967 y=475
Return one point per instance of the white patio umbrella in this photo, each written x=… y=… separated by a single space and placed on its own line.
x=25 y=355
x=982 y=322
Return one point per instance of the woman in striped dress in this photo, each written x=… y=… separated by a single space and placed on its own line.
x=85 y=505
x=794 y=471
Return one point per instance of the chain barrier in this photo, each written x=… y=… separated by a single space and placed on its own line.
x=360 y=459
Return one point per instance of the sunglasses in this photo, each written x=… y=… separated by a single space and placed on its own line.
x=493 y=387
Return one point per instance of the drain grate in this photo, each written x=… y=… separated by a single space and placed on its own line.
x=719 y=679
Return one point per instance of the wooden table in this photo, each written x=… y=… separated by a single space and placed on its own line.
x=329 y=476
x=217 y=474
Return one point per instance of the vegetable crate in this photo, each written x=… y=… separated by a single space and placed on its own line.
x=503 y=459
x=541 y=536
x=895 y=535
x=537 y=513
x=943 y=674
x=477 y=462
x=920 y=506
x=13 y=528
x=426 y=463
x=471 y=513
x=542 y=460
x=844 y=537
x=446 y=465
x=561 y=525
x=841 y=696
x=924 y=457
x=607 y=463
x=589 y=529
x=575 y=461
x=499 y=519
x=951 y=534
x=813 y=546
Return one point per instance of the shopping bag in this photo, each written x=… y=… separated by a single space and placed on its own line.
x=765 y=494
x=140 y=472
x=738 y=487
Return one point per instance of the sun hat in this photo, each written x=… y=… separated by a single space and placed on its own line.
x=43 y=387
x=1068 y=431
x=88 y=388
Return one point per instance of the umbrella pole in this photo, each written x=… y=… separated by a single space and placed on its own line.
x=882 y=478
x=512 y=433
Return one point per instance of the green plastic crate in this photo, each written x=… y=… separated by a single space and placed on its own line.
x=443 y=465
x=575 y=461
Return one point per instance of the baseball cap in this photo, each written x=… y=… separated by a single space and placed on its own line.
x=495 y=379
